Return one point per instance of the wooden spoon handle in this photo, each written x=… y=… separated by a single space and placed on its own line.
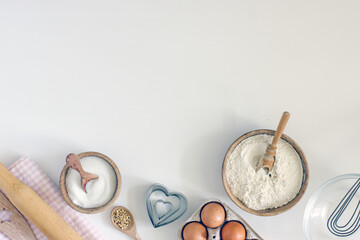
x=73 y=161
x=280 y=128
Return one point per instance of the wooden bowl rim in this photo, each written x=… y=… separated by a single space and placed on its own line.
x=270 y=211
x=65 y=194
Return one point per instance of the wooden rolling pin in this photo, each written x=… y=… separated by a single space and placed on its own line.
x=34 y=208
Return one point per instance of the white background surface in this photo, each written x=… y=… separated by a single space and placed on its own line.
x=164 y=87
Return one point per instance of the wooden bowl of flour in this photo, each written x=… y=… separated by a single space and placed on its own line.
x=267 y=211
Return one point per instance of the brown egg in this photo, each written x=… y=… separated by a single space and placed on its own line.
x=233 y=230
x=213 y=214
x=194 y=231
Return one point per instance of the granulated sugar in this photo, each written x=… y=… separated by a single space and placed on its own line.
x=262 y=190
x=99 y=191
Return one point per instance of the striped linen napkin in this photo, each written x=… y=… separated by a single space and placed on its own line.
x=31 y=174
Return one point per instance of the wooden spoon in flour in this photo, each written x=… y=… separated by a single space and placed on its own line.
x=73 y=161
x=267 y=160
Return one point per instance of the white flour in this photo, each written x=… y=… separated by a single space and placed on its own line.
x=261 y=190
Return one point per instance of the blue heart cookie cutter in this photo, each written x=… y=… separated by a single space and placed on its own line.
x=164 y=207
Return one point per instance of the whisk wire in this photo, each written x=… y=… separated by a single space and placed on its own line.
x=345 y=230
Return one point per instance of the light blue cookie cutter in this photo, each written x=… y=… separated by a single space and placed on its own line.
x=164 y=207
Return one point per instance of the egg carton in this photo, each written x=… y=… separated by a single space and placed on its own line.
x=214 y=233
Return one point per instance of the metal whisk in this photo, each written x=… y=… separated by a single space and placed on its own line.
x=354 y=223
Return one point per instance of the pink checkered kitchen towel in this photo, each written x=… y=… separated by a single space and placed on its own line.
x=30 y=173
